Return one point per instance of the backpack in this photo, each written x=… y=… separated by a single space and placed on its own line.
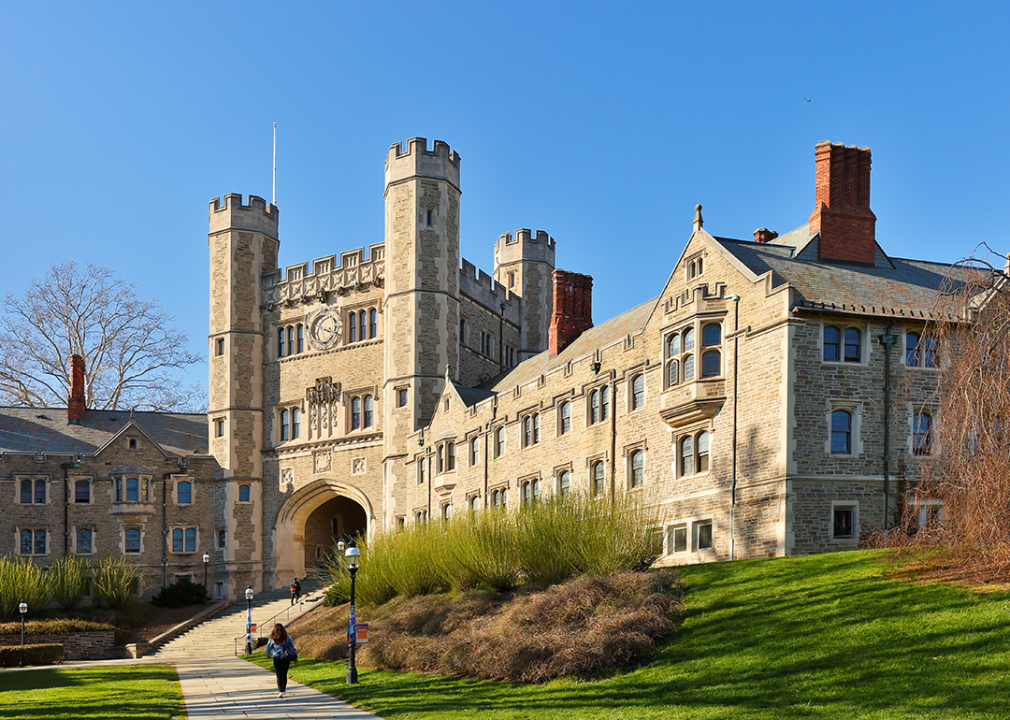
x=285 y=651
x=294 y=588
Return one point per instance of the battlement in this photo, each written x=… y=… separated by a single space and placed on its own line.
x=485 y=290
x=524 y=244
x=439 y=163
x=299 y=284
x=232 y=213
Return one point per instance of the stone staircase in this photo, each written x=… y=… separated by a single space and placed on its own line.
x=224 y=634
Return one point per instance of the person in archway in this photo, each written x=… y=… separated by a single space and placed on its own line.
x=296 y=591
x=281 y=648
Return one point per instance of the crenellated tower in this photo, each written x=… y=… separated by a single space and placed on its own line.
x=524 y=263
x=243 y=244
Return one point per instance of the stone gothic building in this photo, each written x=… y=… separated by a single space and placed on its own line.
x=381 y=388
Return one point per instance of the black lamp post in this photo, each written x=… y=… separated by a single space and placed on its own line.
x=248 y=622
x=206 y=562
x=23 y=609
x=352 y=558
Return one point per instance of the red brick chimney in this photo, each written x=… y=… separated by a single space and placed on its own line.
x=764 y=235
x=842 y=212
x=75 y=403
x=573 y=309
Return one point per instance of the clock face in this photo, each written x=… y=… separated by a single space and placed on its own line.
x=325 y=330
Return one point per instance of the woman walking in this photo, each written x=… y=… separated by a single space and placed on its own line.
x=282 y=650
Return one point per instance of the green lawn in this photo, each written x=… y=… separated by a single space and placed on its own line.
x=117 y=692
x=824 y=636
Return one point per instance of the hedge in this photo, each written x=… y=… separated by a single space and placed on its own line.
x=53 y=627
x=21 y=655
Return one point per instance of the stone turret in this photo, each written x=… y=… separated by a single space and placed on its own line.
x=523 y=264
x=243 y=244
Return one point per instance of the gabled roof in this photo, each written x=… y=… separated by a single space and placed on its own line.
x=45 y=430
x=614 y=330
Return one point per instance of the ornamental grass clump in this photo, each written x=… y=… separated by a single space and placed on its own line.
x=117 y=582
x=22 y=580
x=68 y=580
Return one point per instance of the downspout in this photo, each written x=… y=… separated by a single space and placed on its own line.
x=66 y=509
x=164 y=530
x=501 y=338
x=887 y=340
x=427 y=459
x=488 y=429
x=613 y=440
x=736 y=403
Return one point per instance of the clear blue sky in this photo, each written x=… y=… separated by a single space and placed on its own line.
x=603 y=124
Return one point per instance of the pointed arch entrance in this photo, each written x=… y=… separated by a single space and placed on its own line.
x=312 y=520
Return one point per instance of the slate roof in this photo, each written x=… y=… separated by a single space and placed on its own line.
x=614 y=330
x=40 y=430
x=472 y=396
x=892 y=287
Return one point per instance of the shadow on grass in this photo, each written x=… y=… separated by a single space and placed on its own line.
x=138 y=692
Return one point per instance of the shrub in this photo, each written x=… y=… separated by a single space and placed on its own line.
x=22 y=580
x=68 y=581
x=22 y=655
x=116 y=582
x=53 y=627
x=180 y=594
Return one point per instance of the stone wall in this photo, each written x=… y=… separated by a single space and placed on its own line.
x=97 y=645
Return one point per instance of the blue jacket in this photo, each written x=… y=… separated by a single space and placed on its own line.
x=288 y=644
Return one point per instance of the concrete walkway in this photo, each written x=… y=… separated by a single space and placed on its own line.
x=233 y=689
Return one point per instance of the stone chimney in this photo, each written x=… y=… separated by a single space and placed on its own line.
x=842 y=212
x=764 y=235
x=75 y=403
x=573 y=309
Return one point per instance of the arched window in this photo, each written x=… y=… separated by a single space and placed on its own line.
x=280 y=342
x=687 y=455
x=82 y=492
x=564 y=483
x=474 y=451
x=922 y=441
x=594 y=407
x=356 y=413
x=291 y=340
x=362 y=323
x=499 y=437
x=604 y=402
x=702 y=463
x=475 y=503
x=920 y=350
x=243 y=493
x=711 y=335
x=536 y=488
x=832 y=344
x=446 y=511
x=285 y=428
x=566 y=417
x=637 y=468
x=132 y=490
x=296 y=423
x=495 y=498
x=131 y=540
x=504 y=497
x=852 y=344
x=689 y=340
x=369 y=414
x=711 y=363
x=26 y=492
x=301 y=337
x=184 y=492
x=352 y=327
x=841 y=432
x=190 y=539
x=638 y=392
x=440 y=459
x=688 y=367
x=597 y=474
x=527 y=492
x=527 y=431
x=373 y=323
x=673 y=372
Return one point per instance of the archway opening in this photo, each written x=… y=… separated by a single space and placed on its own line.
x=339 y=518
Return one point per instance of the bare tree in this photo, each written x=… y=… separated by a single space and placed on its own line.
x=131 y=353
x=961 y=502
